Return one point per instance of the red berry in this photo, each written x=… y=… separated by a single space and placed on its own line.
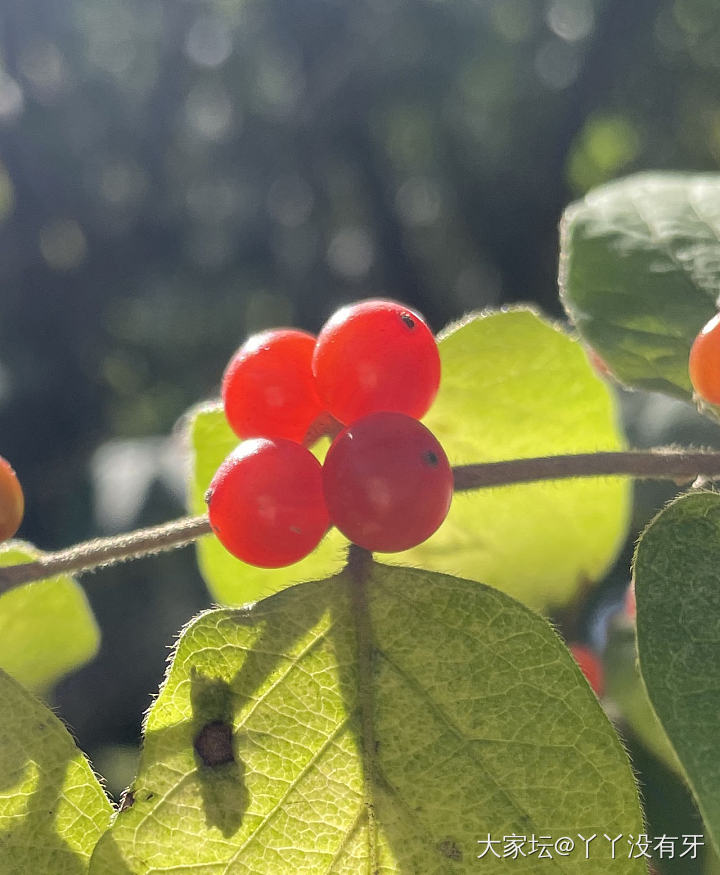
x=268 y=388
x=12 y=502
x=704 y=364
x=266 y=502
x=376 y=355
x=388 y=483
x=590 y=666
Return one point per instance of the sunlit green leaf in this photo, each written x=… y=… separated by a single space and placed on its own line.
x=514 y=386
x=52 y=808
x=678 y=627
x=640 y=273
x=47 y=628
x=385 y=720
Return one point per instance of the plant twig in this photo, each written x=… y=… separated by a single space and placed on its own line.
x=107 y=551
x=659 y=464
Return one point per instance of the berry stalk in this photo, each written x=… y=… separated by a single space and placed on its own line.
x=657 y=464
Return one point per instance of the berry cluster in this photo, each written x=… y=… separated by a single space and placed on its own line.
x=386 y=483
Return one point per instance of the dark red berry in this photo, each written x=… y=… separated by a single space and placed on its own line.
x=266 y=502
x=268 y=388
x=388 y=483
x=376 y=355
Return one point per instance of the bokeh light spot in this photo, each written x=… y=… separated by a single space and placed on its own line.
x=351 y=252
x=208 y=42
x=571 y=20
x=63 y=244
x=11 y=99
x=419 y=201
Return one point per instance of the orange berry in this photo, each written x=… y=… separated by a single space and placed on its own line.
x=704 y=363
x=12 y=501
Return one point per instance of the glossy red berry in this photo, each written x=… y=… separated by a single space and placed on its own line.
x=388 y=483
x=590 y=666
x=268 y=388
x=704 y=363
x=373 y=356
x=12 y=501
x=266 y=502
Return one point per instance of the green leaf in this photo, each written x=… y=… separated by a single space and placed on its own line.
x=229 y=580
x=384 y=720
x=678 y=628
x=640 y=273
x=512 y=386
x=47 y=628
x=52 y=808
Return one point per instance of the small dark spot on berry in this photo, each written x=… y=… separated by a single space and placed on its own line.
x=448 y=848
x=408 y=320
x=213 y=744
x=430 y=458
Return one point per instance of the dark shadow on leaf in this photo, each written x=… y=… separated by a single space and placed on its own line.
x=33 y=835
x=220 y=771
x=212 y=730
x=111 y=856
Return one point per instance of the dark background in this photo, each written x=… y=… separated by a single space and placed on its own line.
x=175 y=175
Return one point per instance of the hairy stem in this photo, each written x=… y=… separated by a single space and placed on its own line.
x=658 y=464
x=107 y=551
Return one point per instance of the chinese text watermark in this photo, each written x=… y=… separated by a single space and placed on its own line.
x=594 y=846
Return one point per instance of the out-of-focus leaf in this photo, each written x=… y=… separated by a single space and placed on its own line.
x=640 y=273
x=47 y=628
x=625 y=688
